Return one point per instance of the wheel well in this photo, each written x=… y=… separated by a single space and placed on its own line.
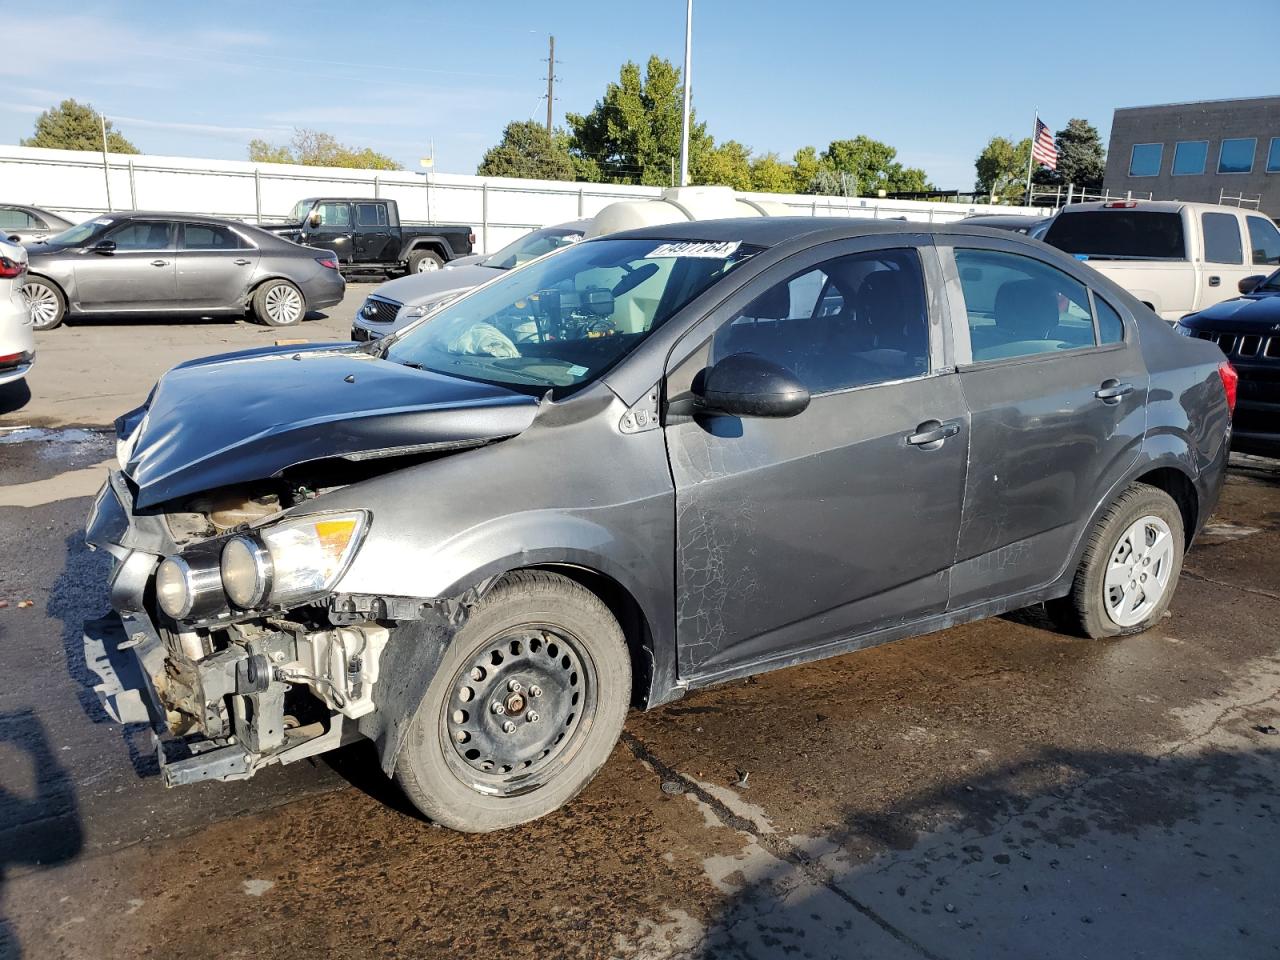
x=248 y=297
x=1178 y=486
x=429 y=246
x=635 y=627
x=50 y=281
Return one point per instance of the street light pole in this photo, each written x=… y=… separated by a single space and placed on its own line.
x=688 y=92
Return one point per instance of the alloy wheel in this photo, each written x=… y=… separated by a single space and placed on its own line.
x=518 y=710
x=42 y=302
x=283 y=304
x=1138 y=571
x=427 y=264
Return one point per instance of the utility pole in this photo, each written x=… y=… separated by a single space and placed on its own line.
x=688 y=89
x=106 y=171
x=551 y=82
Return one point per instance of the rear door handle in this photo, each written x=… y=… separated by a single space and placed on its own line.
x=931 y=434
x=242 y=262
x=1215 y=281
x=159 y=263
x=1112 y=390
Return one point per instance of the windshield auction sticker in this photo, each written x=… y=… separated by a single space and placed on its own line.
x=692 y=248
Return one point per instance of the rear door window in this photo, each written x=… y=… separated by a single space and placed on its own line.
x=1119 y=235
x=1110 y=326
x=1020 y=307
x=210 y=236
x=11 y=219
x=1264 y=239
x=1221 y=238
x=371 y=215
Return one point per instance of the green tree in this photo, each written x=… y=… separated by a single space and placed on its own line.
x=1081 y=158
x=1002 y=168
x=528 y=150
x=75 y=126
x=873 y=165
x=312 y=148
x=805 y=170
x=728 y=164
x=632 y=134
x=771 y=174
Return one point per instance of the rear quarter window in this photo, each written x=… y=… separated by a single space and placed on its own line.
x=1120 y=235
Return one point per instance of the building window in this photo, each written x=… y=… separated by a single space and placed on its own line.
x=1236 y=156
x=1273 y=156
x=1145 y=159
x=1189 y=157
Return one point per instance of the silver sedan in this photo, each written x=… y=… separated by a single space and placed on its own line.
x=179 y=264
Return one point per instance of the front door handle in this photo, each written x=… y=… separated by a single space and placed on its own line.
x=931 y=434
x=159 y=263
x=1112 y=390
x=242 y=262
x=1215 y=281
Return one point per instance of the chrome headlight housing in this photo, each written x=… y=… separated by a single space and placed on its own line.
x=291 y=560
x=247 y=571
x=189 y=588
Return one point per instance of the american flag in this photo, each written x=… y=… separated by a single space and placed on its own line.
x=1043 y=149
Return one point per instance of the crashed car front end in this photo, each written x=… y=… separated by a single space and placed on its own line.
x=231 y=685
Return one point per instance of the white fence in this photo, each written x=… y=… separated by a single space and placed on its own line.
x=79 y=184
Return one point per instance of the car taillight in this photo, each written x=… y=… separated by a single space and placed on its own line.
x=11 y=268
x=471 y=238
x=327 y=262
x=1230 y=381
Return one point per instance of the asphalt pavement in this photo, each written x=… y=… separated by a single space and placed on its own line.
x=993 y=790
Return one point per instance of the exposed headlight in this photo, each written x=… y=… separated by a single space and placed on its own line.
x=422 y=309
x=189 y=589
x=307 y=555
x=247 y=572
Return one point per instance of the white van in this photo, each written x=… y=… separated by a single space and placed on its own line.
x=1175 y=257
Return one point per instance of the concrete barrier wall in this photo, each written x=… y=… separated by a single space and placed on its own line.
x=75 y=184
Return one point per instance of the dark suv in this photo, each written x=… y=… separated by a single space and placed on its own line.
x=647 y=463
x=1248 y=331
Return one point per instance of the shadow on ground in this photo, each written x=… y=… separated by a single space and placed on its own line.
x=1068 y=854
x=39 y=816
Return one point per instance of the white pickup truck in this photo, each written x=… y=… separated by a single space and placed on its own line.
x=1175 y=257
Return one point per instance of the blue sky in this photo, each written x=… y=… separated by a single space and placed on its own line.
x=935 y=79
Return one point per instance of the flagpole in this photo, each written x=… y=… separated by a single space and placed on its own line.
x=1035 y=126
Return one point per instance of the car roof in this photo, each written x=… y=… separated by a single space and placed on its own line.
x=772 y=231
x=1152 y=206
x=173 y=215
x=1014 y=219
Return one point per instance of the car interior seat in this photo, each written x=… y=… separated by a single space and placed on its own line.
x=1026 y=315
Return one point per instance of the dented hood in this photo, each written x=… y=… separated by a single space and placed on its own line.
x=250 y=415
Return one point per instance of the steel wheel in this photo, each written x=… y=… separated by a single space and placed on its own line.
x=427 y=265
x=283 y=304
x=518 y=711
x=1138 y=571
x=44 y=303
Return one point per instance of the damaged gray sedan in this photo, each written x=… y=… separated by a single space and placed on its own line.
x=643 y=465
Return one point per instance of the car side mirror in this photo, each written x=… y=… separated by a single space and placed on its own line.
x=1249 y=284
x=313 y=221
x=748 y=385
x=104 y=247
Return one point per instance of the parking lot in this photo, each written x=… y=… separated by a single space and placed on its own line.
x=993 y=790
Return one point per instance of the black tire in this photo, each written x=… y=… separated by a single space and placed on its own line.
x=1086 y=610
x=279 y=303
x=422 y=261
x=569 y=641
x=50 y=295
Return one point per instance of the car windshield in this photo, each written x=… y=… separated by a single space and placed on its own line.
x=1272 y=283
x=79 y=233
x=531 y=246
x=1119 y=235
x=564 y=321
